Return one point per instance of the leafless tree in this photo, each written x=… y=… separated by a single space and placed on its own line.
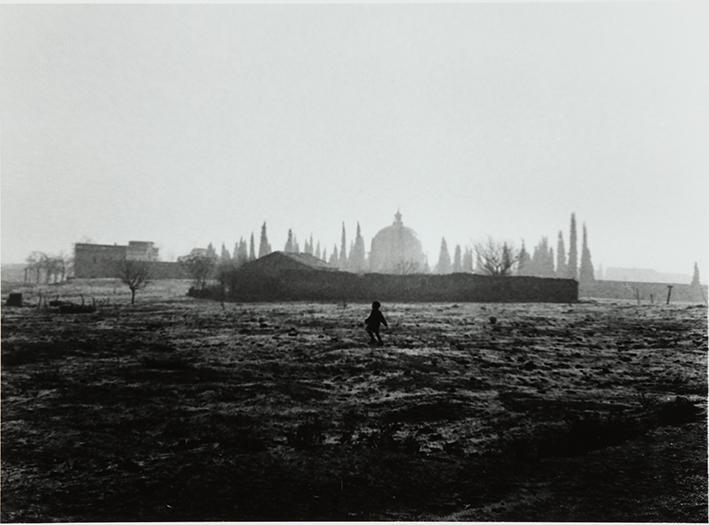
x=199 y=268
x=34 y=264
x=66 y=267
x=53 y=269
x=134 y=274
x=496 y=258
x=406 y=267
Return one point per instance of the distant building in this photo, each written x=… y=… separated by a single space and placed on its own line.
x=102 y=260
x=141 y=251
x=194 y=252
x=396 y=249
x=278 y=263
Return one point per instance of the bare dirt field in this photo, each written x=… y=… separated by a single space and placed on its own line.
x=179 y=409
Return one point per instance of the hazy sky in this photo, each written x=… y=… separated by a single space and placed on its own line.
x=189 y=124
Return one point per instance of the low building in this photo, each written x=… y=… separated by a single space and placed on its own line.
x=95 y=261
x=141 y=251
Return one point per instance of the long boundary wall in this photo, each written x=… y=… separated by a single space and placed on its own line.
x=296 y=285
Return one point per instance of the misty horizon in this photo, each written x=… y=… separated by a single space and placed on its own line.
x=328 y=249
x=185 y=125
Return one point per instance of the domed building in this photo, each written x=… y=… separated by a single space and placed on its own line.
x=396 y=249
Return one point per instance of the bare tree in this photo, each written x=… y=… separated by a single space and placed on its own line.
x=53 y=268
x=34 y=264
x=67 y=266
x=199 y=268
x=406 y=267
x=136 y=275
x=496 y=258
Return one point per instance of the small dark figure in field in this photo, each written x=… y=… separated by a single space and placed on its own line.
x=372 y=323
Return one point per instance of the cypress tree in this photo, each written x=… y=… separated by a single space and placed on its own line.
x=586 y=270
x=572 y=261
x=542 y=262
x=211 y=252
x=252 y=250
x=243 y=251
x=468 y=260
x=290 y=246
x=506 y=266
x=334 y=259
x=426 y=267
x=357 y=255
x=695 y=276
x=343 y=249
x=225 y=255
x=539 y=256
x=561 y=270
x=317 y=251
x=533 y=266
x=523 y=261
x=444 y=258
x=264 y=248
x=457 y=260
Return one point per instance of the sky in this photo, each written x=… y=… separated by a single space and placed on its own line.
x=190 y=124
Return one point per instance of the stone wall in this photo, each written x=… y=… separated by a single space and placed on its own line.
x=166 y=270
x=343 y=286
x=655 y=292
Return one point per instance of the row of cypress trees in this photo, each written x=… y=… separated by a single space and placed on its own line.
x=543 y=261
x=352 y=257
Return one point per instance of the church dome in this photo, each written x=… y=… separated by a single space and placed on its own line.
x=396 y=249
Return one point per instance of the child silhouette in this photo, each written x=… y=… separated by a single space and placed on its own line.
x=372 y=324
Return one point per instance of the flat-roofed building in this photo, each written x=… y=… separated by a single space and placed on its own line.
x=92 y=261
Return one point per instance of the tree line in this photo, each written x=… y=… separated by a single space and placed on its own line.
x=41 y=267
x=492 y=257
x=489 y=257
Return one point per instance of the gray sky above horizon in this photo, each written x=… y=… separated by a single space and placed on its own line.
x=185 y=124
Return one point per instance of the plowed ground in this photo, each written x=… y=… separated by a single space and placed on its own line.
x=183 y=410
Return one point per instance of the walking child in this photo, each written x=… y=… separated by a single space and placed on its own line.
x=372 y=323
